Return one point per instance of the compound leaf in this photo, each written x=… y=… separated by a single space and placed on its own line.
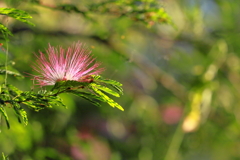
x=105 y=97
x=16 y=14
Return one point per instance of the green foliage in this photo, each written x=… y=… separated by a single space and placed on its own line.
x=17 y=14
x=148 y=12
x=62 y=85
x=96 y=85
x=69 y=8
x=116 y=85
x=92 y=98
x=3 y=112
x=4 y=157
x=96 y=88
x=34 y=141
x=5 y=32
x=48 y=99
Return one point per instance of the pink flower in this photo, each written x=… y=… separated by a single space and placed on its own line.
x=59 y=64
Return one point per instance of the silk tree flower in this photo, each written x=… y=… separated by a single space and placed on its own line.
x=59 y=64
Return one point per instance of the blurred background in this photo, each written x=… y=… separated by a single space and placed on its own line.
x=181 y=81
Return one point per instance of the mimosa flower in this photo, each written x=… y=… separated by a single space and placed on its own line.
x=59 y=64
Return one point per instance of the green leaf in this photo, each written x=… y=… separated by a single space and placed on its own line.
x=35 y=106
x=56 y=100
x=88 y=96
x=107 y=90
x=16 y=109
x=69 y=84
x=39 y=101
x=3 y=71
x=5 y=31
x=4 y=157
x=118 y=88
x=116 y=85
x=4 y=93
x=4 y=113
x=108 y=81
x=8 y=63
x=14 y=91
x=16 y=14
x=105 y=97
x=21 y=113
x=33 y=100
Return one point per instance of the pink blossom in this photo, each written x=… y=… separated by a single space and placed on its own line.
x=58 y=64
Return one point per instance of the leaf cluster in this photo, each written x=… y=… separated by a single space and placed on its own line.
x=17 y=14
x=94 y=91
x=149 y=12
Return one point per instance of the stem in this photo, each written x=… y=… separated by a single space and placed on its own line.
x=175 y=144
x=0 y=123
x=6 y=60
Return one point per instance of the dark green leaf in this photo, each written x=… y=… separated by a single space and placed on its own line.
x=21 y=113
x=88 y=96
x=118 y=88
x=4 y=93
x=39 y=101
x=69 y=84
x=14 y=91
x=4 y=113
x=56 y=100
x=5 y=31
x=69 y=8
x=16 y=108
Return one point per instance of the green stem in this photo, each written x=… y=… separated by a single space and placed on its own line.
x=175 y=144
x=6 y=60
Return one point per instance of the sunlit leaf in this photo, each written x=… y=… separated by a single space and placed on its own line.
x=109 y=81
x=105 y=97
x=107 y=90
x=4 y=157
x=16 y=14
x=116 y=85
